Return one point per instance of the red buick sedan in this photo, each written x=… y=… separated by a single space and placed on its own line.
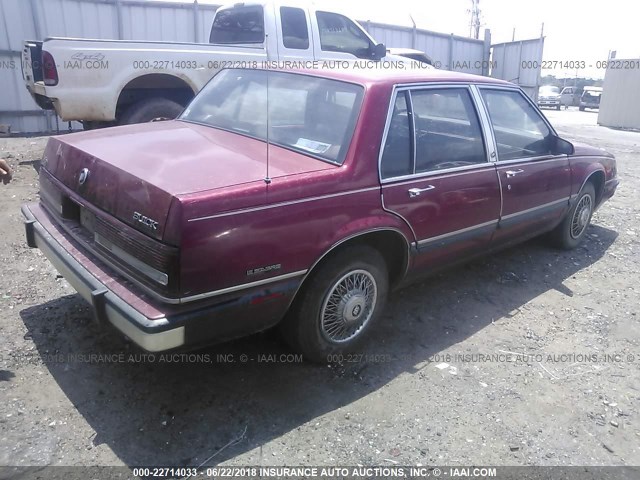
x=301 y=198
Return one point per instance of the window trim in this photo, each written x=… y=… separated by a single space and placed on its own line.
x=518 y=90
x=488 y=140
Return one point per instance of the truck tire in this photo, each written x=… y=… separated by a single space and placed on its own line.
x=151 y=110
x=338 y=304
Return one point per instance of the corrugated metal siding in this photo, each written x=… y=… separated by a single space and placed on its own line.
x=163 y=24
x=17 y=108
x=620 y=102
x=519 y=62
x=451 y=52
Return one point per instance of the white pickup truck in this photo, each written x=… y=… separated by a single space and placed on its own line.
x=111 y=82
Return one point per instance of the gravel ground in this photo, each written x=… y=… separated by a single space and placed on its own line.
x=567 y=394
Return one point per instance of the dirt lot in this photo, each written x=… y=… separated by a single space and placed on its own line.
x=564 y=403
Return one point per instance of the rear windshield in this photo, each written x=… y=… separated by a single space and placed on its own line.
x=549 y=90
x=310 y=115
x=238 y=25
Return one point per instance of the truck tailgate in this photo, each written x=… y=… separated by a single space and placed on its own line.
x=31 y=59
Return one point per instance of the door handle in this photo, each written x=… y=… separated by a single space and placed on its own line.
x=414 y=192
x=513 y=173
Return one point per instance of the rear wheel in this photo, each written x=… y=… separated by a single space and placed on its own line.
x=338 y=304
x=151 y=110
x=573 y=228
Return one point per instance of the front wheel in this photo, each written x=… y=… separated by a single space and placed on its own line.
x=338 y=304
x=573 y=227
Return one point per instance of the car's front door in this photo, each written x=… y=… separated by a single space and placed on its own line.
x=566 y=96
x=435 y=173
x=535 y=183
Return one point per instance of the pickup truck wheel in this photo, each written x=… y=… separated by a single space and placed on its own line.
x=338 y=304
x=573 y=227
x=151 y=110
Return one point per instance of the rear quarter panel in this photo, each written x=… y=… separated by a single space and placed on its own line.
x=304 y=217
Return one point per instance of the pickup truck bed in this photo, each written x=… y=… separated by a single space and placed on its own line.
x=109 y=82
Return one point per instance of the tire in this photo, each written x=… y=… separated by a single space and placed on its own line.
x=558 y=107
x=581 y=109
x=151 y=109
x=356 y=309
x=571 y=231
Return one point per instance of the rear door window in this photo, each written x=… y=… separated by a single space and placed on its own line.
x=294 y=28
x=448 y=133
x=238 y=25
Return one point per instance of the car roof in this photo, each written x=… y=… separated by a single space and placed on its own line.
x=375 y=73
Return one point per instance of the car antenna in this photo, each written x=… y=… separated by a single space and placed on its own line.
x=267 y=179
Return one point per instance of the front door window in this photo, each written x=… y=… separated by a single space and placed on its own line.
x=519 y=129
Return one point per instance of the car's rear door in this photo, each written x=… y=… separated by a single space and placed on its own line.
x=436 y=175
x=535 y=183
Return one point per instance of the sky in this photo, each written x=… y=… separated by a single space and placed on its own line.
x=573 y=29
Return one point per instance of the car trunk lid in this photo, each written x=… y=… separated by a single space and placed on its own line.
x=135 y=172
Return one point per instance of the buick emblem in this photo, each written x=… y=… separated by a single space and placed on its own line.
x=84 y=174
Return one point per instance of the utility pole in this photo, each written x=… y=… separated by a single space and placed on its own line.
x=474 y=26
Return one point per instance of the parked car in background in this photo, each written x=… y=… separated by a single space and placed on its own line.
x=590 y=98
x=116 y=82
x=301 y=199
x=417 y=55
x=549 y=96
x=567 y=96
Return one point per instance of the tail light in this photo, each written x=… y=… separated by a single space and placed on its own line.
x=153 y=260
x=49 y=69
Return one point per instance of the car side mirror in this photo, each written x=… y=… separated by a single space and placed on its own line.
x=562 y=147
x=379 y=51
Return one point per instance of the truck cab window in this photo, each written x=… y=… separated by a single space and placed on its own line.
x=339 y=34
x=238 y=25
x=294 y=28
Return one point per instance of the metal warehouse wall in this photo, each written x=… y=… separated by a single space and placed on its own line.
x=451 y=52
x=620 y=102
x=519 y=62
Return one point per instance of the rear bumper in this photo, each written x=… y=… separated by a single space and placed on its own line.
x=153 y=327
x=149 y=334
